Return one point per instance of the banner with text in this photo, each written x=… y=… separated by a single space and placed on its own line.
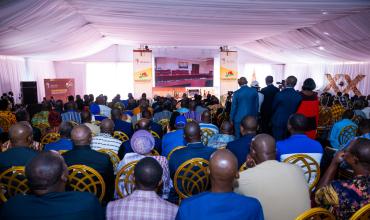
x=142 y=65
x=229 y=65
x=59 y=88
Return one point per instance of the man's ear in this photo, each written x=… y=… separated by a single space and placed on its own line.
x=237 y=175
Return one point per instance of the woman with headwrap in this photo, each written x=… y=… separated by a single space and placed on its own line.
x=142 y=143
x=54 y=120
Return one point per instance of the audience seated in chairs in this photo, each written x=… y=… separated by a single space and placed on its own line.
x=143 y=203
x=165 y=113
x=221 y=202
x=65 y=142
x=47 y=176
x=86 y=118
x=142 y=143
x=174 y=138
x=208 y=129
x=23 y=115
x=84 y=155
x=240 y=147
x=70 y=113
x=337 y=128
x=105 y=140
x=192 y=114
x=224 y=137
x=363 y=131
x=280 y=187
x=345 y=197
x=154 y=126
x=42 y=116
x=119 y=124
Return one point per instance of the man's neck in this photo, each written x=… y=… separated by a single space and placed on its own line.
x=360 y=171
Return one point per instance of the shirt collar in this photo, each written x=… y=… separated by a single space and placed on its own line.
x=195 y=145
x=144 y=193
x=105 y=135
x=82 y=147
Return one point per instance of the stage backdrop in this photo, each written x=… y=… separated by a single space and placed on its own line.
x=228 y=72
x=59 y=88
x=142 y=68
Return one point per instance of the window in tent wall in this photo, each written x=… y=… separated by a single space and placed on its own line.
x=109 y=79
x=256 y=72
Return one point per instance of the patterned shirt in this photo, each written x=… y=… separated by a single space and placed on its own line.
x=71 y=116
x=337 y=112
x=141 y=205
x=10 y=116
x=41 y=117
x=220 y=140
x=345 y=196
x=105 y=141
x=162 y=115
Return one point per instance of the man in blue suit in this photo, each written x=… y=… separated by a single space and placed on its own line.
x=269 y=93
x=245 y=102
x=285 y=103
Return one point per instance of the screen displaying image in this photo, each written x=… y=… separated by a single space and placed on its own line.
x=175 y=72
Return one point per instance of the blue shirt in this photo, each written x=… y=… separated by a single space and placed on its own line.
x=298 y=144
x=240 y=147
x=172 y=140
x=123 y=126
x=71 y=116
x=335 y=132
x=220 y=206
x=366 y=136
x=61 y=144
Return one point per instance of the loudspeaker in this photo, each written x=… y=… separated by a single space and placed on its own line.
x=29 y=92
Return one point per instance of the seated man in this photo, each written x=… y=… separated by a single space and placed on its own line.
x=193 y=149
x=206 y=124
x=280 y=187
x=143 y=203
x=83 y=154
x=20 y=153
x=121 y=125
x=65 y=142
x=298 y=142
x=154 y=126
x=71 y=114
x=240 y=147
x=86 y=120
x=338 y=127
x=47 y=176
x=105 y=140
x=175 y=138
x=221 y=202
x=224 y=137
x=345 y=197
x=165 y=113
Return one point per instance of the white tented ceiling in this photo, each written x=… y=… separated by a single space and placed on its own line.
x=289 y=30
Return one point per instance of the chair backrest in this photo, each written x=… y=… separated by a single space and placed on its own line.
x=124 y=183
x=243 y=167
x=191 y=177
x=173 y=150
x=42 y=126
x=62 y=151
x=346 y=134
x=154 y=152
x=4 y=123
x=114 y=158
x=309 y=165
x=12 y=182
x=49 y=138
x=316 y=214
x=73 y=123
x=362 y=214
x=120 y=136
x=154 y=134
x=164 y=123
x=86 y=179
x=206 y=135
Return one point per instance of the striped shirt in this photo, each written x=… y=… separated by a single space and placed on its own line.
x=105 y=141
x=71 y=116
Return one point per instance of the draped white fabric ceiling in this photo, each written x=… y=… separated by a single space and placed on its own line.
x=282 y=31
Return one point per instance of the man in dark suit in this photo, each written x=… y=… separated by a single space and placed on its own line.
x=20 y=153
x=154 y=126
x=285 y=103
x=240 y=147
x=119 y=124
x=245 y=102
x=269 y=93
x=47 y=176
x=83 y=154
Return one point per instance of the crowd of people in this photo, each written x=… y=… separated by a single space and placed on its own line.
x=256 y=128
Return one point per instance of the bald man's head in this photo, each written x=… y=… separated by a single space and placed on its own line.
x=263 y=148
x=192 y=132
x=248 y=125
x=143 y=124
x=206 y=117
x=20 y=134
x=81 y=135
x=226 y=128
x=223 y=167
x=107 y=126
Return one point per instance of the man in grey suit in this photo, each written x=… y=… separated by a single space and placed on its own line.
x=244 y=103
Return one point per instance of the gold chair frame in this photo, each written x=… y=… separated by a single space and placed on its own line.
x=164 y=123
x=73 y=123
x=190 y=179
x=42 y=126
x=120 y=135
x=11 y=184
x=346 y=134
x=90 y=181
x=114 y=158
x=206 y=134
x=308 y=162
x=49 y=138
x=316 y=214
x=154 y=152
x=128 y=180
x=173 y=150
x=362 y=214
x=62 y=151
x=154 y=134
x=243 y=167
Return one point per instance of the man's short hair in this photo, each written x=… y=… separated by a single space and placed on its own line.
x=65 y=129
x=361 y=150
x=298 y=122
x=291 y=81
x=22 y=115
x=148 y=172
x=348 y=114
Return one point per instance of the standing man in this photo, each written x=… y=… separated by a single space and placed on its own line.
x=269 y=93
x=285 y=103
x=245 y=102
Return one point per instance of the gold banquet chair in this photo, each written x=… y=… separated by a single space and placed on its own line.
x=192 y=177
x=154 y=152
x=154 y=134
x=73 y=123
x=120 y=136
x=173 y=150
x=124 y=183
x=49 y=138
x=362 y=214
x=164 y=123
x=86 y=179
x=243 y=167
x=12 y=182
x=316 y=214
x=114 y=158
x=206 y=135
x=346 y=134
x=310 y=167
x=42 y=126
